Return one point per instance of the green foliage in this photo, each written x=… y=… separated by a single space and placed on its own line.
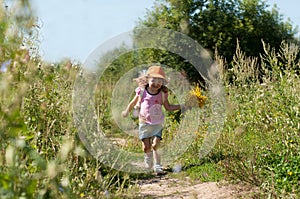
x=42 y=157
x=207 y=172
x=260 y=144
x=217 y=25
x=46 y=110
x=40 y=154
x=18 y=29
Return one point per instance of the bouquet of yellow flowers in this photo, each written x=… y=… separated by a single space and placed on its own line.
x=195 y=99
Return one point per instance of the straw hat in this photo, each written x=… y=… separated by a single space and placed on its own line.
x=156 y=71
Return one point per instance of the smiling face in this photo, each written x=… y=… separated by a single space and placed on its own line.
x=155 y=83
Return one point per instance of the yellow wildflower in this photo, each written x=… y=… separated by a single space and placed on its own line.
x=195 y=98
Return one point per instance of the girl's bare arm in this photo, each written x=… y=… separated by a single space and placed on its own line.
x=171 y=107
x=130 y=106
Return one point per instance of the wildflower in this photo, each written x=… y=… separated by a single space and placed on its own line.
x=195 y=98
x=290 y=173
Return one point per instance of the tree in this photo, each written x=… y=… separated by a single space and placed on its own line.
x=218 y=24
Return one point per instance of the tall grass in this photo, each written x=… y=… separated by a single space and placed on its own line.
x=260 y=142
x=41 y=155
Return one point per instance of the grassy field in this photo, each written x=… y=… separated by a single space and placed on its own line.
x=42 y=156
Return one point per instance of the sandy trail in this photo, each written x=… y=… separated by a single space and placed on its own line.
x=169 y=188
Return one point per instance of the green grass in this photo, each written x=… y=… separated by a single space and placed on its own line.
x=41 y=155
x=208 y=172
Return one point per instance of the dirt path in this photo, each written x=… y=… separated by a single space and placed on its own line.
x=170 y=187
x=167 y=187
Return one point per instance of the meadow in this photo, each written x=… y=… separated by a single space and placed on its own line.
x=42 y=155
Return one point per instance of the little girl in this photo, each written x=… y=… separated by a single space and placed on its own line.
x=150 y=96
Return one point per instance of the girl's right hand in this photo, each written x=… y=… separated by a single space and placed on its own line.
x=125 y=113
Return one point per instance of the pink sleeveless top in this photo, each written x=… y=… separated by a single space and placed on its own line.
x=151 y=107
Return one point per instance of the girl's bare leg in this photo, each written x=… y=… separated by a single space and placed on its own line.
x=157 y=167
x=155 y=145
x=148 y=154
x=146 y=145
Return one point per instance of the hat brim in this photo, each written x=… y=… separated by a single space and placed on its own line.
x=157 y=75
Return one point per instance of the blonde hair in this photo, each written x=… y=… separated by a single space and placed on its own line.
x=142 y=80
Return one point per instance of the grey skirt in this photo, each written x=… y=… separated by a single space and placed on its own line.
x=150 y=130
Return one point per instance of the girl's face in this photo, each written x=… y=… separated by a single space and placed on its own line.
x=155 y=82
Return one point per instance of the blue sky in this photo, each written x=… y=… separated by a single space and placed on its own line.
x=74 y=28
